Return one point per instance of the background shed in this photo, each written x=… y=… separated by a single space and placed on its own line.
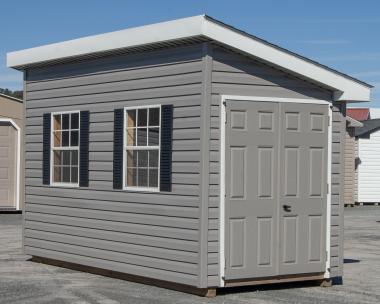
x=369 y=155
x=11 y=153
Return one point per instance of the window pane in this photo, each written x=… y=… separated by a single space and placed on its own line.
x=153 y=158
x=131 y=177
x=142 y=117
x=131 y=137
x=142 y=177
x=74 y=158
x=57 y=158
x=153 y=136
x=131 y=158
x=74 y=138
x=153 y=178
x=143 y=158
x=57 y=174
x=65 y=138
x=131 y=120
x=141 y=137
x=65 y=121
x=74 y=121
x=65 y=158
x=66 y=174
x=57 y=138
x=57 y=122
x=74 y=174
x=154 y=117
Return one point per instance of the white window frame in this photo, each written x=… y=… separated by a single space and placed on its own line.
x=125 y=147
x=52 y=148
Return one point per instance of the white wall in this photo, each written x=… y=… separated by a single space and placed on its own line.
x=369 y=169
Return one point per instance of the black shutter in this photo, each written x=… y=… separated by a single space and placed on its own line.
x=83 y=148
x=166 y=148
x=46 y=149
x=118 y=149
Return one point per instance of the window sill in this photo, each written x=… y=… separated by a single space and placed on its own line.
x=64 y=185
x=145 y=190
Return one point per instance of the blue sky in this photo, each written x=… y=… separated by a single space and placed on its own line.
x=344 y=35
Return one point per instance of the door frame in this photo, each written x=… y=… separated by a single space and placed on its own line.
x=18 y=159
x=222 y=231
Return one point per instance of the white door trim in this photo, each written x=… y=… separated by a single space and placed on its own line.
x=224 y=98
x=18 y=159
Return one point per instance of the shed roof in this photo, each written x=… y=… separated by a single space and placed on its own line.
x=351 y=123
x=11 y=97
x=369 y=126
x=358 y=114
x=345 y=88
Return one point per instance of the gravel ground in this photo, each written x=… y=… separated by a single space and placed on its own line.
x=22 y=281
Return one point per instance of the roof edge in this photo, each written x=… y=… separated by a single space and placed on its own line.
x=11 y=97
x=345 y=88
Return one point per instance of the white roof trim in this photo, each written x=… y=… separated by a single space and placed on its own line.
x=353 y=122
x=346 y=89
x=11 y=97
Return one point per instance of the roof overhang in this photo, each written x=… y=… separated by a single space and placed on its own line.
x=352 y=123
x=345 y=88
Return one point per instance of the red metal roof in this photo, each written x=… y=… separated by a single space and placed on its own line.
x=359 y=114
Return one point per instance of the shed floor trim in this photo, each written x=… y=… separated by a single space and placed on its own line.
x=203 y=292
x=276 y=279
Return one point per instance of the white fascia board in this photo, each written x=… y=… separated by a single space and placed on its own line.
x=142 y=35
x=353 y=122
x=345 y=89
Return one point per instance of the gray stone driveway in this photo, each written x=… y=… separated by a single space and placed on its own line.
x=22 y=281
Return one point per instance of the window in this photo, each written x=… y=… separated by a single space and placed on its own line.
x=65 y=148
x=142 y=148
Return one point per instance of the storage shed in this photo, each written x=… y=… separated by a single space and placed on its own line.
x=11 y=153
x=368 y=137
x=185 y=152
x=351 y=160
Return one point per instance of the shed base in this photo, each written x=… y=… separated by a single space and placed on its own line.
x=319 y=277
x=203 y=292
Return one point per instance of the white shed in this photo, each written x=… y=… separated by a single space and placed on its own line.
x=369 y=154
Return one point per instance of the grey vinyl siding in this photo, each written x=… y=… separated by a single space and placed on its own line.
x=147 y=234
x=235 y=74
x=337 y=188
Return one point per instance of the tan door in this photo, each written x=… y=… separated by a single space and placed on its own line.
x=8 y=166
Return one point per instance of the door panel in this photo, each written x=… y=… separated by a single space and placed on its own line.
x=276 y=182
x=251 y=183
x=7 y=165
x=303 y=184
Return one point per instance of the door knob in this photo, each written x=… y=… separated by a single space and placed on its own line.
x=287 y=208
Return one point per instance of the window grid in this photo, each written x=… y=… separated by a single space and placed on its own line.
x=136 y=163
x=73 y=146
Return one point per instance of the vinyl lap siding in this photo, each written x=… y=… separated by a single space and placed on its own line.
x=349 y=172
x=337 y=188
x=147 y=234
x=369 y=169
x=234 y=74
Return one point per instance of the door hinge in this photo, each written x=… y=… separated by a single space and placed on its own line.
x=327 y=255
